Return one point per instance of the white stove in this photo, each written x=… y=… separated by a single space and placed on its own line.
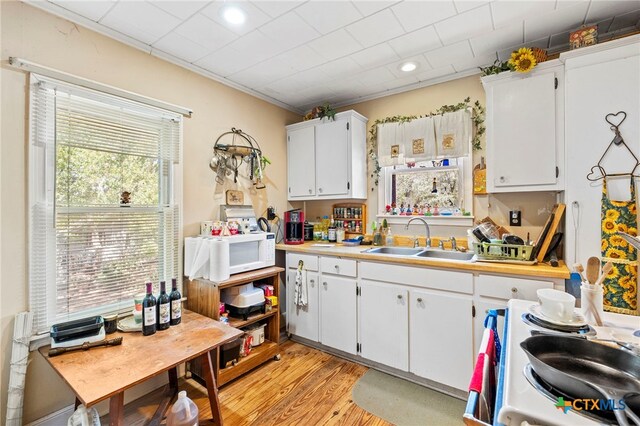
x=522 y=400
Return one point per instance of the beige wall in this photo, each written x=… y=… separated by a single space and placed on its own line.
x=535 y=206
x=42 y=38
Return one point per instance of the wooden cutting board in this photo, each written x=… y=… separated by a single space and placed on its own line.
x=556 y=217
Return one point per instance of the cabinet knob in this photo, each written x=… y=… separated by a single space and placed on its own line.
x=324 y=283
x=399 y=297
x=419 y=299
x=319 y=189
x=312 y=282
x=310 y=191
x=502 y=179
x=514 y=290
x=336 y=266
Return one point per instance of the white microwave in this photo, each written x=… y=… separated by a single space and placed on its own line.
x=215 y=258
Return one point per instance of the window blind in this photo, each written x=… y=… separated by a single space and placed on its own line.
x=90 y=253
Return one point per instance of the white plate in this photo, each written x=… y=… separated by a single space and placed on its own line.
x=129 y=324
x=577 y=320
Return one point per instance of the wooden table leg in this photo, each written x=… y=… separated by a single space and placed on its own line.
x=212 y=389
x=173 y=380
x=116 y=410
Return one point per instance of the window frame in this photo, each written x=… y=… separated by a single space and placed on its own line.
x=42 y=187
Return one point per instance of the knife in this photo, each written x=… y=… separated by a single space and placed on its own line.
x=86 y=346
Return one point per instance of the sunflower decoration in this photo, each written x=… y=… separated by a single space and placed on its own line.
x=604 y=245
x=625 y=282
x=615 y=253
x=612 y=214
x=609 y=226
x=617 y=241
x=522 y=60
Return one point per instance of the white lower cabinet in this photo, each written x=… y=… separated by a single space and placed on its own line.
x=441 y=337
x=303 y=321
x=338 y=315
x=384 y=325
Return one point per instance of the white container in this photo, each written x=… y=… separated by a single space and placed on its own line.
x=591 y=299
x=251 y=296
x=257 y=334
x=184 y=412
x=556 y=304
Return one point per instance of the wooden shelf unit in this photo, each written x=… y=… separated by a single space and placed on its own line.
x=350 y=218
x=203 y=297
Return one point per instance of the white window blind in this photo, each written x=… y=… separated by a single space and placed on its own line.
x=90 y=254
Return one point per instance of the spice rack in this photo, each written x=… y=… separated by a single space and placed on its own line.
x=352 y=217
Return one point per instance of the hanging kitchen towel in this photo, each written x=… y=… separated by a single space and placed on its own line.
x=453 y=133
x=419 y=140
x=390 y=146
x=300 y=293
x=621 y=283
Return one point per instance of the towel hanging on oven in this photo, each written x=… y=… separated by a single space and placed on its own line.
x=300 y=293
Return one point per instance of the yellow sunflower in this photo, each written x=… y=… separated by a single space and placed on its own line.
x=622 y=227
x=613 y=273
x=631 y=299
x=612 y=214
x=516 y=54
x=631 y=269
x=604 y=245
x=618 y=241
x=615 y=253
x=608 y=226
x=523 y=60
x=619 y=203
x=632 y=209
x=625 y=282
x=632 y=231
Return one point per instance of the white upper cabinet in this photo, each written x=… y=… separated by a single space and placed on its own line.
x=327 y=159
x=525 y=130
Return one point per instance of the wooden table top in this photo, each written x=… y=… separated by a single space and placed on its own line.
x=99 y=373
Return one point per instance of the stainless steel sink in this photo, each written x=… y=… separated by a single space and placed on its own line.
x=395 y=251
x=446 y=255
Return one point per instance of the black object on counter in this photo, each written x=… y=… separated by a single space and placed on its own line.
x=85 y=346
x=110 y=323
x=308 y=231
x=244 y=313
x=76 y=329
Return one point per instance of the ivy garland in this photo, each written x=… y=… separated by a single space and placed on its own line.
x=477 y=118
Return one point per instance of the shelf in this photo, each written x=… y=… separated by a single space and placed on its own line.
x=258 y=355
x=346 y=218
x=238 y=322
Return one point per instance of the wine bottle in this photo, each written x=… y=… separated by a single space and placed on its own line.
x=331 y=234
x=176 y=303
x=163 y=308
x=149 y=312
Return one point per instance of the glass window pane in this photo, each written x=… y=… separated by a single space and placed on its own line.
x=428 y=187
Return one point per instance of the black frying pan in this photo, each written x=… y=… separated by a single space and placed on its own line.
x=585 y=369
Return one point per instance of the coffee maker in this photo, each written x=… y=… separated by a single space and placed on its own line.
x=294 y=227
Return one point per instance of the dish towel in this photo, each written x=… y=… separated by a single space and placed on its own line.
x=390 y=146
x=453 y=133
x=419 y=140
x=300 y=293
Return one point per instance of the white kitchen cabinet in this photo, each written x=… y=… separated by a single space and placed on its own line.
x=301 y=170
x=327 y=159
x=441 y=337
x=338 y=314
x=303 y=321
x=384 y=324
x=525 y=129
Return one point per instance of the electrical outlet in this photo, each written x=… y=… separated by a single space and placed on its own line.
x=271 y=213
x=515 y=218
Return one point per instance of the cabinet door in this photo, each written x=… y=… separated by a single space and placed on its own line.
x=441 y=337
x=384 y=324
x=301 y=171
x=332 y=158
x=338 y=313
x=482 y=306
x=303 y=321
x=522 y=132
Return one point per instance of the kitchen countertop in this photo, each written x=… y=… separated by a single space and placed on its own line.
x=539 y=270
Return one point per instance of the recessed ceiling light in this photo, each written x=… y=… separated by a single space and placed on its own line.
x=233 y=15
x=408 y=66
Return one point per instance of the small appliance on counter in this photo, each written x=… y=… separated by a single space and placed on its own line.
x=308 y=231
x=294 y=227
x=239 y=214
x=77 y=332
x=242 y=301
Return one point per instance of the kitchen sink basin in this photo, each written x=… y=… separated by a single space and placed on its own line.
x=396 y=251
x=446 y=255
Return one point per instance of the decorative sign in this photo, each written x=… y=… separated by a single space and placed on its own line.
x=584 y=36
x=418 y=146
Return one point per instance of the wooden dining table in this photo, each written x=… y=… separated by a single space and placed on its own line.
x=106 y=372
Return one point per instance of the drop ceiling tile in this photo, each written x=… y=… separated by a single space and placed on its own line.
x=341 y=67
x=400 y=82
x=435 y=73
x=601 y=10
x=225 y=61
x=449 y=54
x=375 y=56
x=506 y=12
x=464 y=5
x=418 y=41
x=204 y=31
x=140 y=20
x=569 y=3
x=376 y=76
x=418 y=14
x=302 y=58
x=499 y=39
x=419 y=60
x=181 y=47
x=565 y=19
x=465 y=25
x=370 y=7
x=254 y=16
x=93 y=10
x=376 y=28
x=335 y=45
x=480 y=61
x=625 y=21
x=328 y=16
x=256 y=46
x=275 y=8
x=263 y=73
x=289 y=30
x=181 y=9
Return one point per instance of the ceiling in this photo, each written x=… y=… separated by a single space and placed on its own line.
x=298 y=54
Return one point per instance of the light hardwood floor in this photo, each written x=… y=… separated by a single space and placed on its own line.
x=306 y=387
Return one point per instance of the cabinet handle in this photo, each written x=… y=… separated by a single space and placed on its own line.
x=419 y=299
x=324 y=283
x=336 y=266
x=399 y=297
x=312 y=282
x=319 y=189
x=502 y=179
x=514 y=290
x=310 y=191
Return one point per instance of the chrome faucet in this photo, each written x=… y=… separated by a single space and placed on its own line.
x=454 y=245
x=426 y=225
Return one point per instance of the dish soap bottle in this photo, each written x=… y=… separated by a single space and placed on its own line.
x=389 y=238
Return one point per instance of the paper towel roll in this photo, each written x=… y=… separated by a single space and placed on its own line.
x=219 y=260
x=200 y=267
x=191 y=247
